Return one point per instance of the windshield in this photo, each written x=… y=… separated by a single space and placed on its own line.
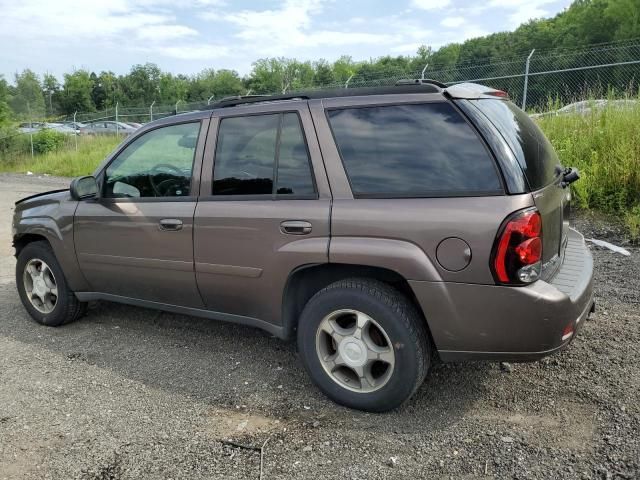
x=532 y=149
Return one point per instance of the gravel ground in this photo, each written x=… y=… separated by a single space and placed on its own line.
x=134 y=393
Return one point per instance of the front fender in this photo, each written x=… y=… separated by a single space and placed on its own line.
x=52 y=219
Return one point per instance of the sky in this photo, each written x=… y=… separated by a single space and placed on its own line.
x=187 y=36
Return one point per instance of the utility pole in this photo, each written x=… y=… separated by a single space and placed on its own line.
x=117 y=119
x=151 y=111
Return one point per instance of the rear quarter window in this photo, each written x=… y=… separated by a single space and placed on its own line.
x=532 y=149
x=420 y=150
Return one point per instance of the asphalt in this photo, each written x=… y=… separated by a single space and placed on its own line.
x=129 y=393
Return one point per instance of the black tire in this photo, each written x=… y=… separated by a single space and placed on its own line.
x=67 y=307
x=400 y=320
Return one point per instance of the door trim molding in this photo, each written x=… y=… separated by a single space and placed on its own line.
x=234 y=270
x=275 y=330
x=180 y=265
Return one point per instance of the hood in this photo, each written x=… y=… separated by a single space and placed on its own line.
x=42 y=199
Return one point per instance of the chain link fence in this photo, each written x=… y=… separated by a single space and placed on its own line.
x=536 y=80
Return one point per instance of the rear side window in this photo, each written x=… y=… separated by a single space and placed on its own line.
x=262 y=155
x=532 y=149
x=419 y=150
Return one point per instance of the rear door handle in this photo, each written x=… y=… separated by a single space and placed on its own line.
x=171 y=224
x=295 y=227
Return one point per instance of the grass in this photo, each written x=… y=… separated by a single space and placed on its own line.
x=66 y=161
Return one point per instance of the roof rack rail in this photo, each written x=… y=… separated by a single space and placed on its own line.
x=403 y=86
x=420 y=81
x=244 y=99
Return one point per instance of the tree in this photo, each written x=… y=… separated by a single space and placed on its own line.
x=51 y=91
x=626 y=14
x=323 y=74
x=5 y=111
x=142 y=85
x=76 y=92
x=28 y=101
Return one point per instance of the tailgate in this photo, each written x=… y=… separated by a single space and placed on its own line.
x=553 y=202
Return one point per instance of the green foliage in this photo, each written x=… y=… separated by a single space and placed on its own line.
x=47 y=140
x=76 y=94
x=632 y=221
x=28 y=101
x=5 y=111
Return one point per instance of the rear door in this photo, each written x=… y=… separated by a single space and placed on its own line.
x=263 y=209
x=543 y=172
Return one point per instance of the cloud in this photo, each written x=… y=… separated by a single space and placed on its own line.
x=521 y=10
x=275 y=32
x=194 y=51
x=160 y=33
x=452 y=22
x=430 y=4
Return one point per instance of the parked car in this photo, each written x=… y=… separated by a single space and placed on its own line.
x=585 y=107
x=79 y=127
x=383 y=228
x=32 y=127
x=110 y=127
x=134 y=124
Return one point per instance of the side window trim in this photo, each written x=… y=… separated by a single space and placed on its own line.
x=195 y=170
x=208 y=194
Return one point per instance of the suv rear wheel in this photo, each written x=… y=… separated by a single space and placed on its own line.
x=364 y=344
x=42 y=287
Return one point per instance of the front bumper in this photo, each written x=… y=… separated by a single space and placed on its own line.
x=491 y=322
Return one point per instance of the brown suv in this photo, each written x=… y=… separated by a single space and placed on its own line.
x=386 y=228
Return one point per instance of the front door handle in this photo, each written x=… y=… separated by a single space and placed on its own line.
x=171 y=224
x=295 y=227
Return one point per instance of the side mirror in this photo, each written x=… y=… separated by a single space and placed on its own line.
x=83 y=187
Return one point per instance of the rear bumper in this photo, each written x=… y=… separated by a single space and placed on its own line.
x=490 y=322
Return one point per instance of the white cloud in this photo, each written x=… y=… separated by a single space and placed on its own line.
x=159 y=33
x=430 y=4
x=194 y=51
x=522 y=10
x=452 y=22
x=275 y=32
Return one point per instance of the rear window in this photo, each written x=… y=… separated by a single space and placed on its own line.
x=533 y=151
x=419 y=150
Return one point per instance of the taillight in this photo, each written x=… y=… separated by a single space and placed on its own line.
x=517 y=255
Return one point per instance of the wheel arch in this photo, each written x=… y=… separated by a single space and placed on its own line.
x=306 y=280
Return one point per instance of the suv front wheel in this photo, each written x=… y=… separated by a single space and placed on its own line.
x=43 y=288
x=364 y=344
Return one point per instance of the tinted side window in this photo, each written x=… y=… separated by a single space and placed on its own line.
x=412 y=151
x=157 y=164
x=245 y=155
x=294 y=169
x=251 y=149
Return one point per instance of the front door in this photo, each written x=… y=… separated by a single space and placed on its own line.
x=136 y=239
x=263 y=210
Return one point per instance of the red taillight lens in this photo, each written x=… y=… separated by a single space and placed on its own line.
x=518 y=250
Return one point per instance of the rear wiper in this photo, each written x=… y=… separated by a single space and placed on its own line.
x=569 y=175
